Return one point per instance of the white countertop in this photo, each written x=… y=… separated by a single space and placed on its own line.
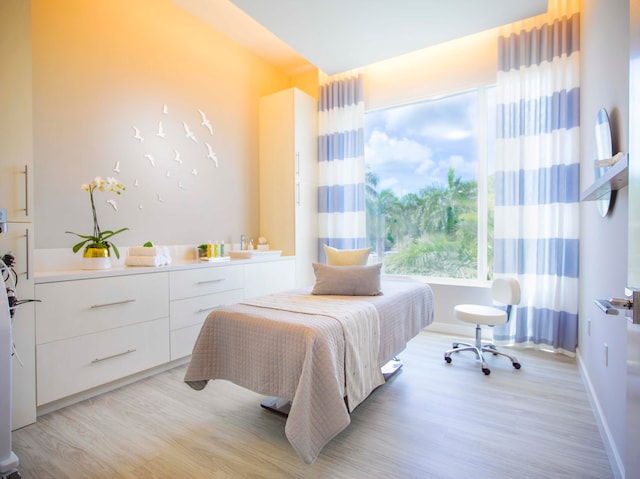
x=70 y=274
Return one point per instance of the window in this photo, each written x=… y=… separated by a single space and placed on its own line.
x=430 y=185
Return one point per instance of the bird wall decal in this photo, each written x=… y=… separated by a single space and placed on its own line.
x=205 y=122
x=116 y=167
x=177 y=158
x=137 y=135
x=151 y=160
x=160 y=130
x=113 y=204
x=211 y=155
x=194 y=172
x=165 y=109
x=188 y=133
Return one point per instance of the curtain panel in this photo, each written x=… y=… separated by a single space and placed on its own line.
x=537 y=182
x=341 y=167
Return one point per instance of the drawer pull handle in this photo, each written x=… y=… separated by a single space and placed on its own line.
x=112 y=304
x=97 y=360
x=210 y=281
x=204 y=310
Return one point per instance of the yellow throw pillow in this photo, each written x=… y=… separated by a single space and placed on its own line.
x=346 y=257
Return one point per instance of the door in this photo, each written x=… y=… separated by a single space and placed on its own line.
x=632 y=460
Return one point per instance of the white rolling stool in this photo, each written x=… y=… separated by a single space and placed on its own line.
x=505 y=291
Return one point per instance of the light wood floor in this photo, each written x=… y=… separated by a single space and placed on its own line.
x=432 y=420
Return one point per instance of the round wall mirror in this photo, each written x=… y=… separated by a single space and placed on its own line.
x=604 y=150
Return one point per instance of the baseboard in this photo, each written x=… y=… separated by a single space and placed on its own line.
x=615 y=460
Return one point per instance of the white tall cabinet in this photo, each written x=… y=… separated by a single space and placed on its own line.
x=16 y=192
x=289 y=177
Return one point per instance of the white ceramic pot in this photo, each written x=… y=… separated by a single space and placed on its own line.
x=96 y=258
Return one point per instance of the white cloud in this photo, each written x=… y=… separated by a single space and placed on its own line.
x=384 y=150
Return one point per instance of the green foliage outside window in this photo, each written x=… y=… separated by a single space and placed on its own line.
x=431 y=233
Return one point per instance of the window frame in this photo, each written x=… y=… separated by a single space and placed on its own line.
x=483 y=269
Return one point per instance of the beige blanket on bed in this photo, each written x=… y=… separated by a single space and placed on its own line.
x=301 y=357
x=361 y=326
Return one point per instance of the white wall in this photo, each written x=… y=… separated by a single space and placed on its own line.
x=101 y=67
x=603 y=241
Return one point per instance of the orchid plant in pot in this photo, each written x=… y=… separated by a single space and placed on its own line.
x=97 y=247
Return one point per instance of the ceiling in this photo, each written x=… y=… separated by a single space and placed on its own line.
x=339 y=35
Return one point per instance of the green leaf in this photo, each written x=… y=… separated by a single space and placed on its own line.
x=148 y=244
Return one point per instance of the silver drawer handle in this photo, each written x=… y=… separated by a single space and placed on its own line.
x=210 y=281
x=112 y=304
x=204 y=310
x=97 y=360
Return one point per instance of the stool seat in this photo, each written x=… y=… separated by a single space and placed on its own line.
x=504 y=291
x=478 y=314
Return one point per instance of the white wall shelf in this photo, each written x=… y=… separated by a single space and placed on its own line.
x=615 y=178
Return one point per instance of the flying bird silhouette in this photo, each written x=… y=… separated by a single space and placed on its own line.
x=211 y=155
x=137 y=135
x=188 y=133
x=113 y=204
x=151 y=160
x=177 y=158
x=205 y=122
x=136 y=183
x=160 y=130
x=180 y=185
x=194 y=172
x=116 y=167
x=165 y=109
x=160 y=199
x=168 y=173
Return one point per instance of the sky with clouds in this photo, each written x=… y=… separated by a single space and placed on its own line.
x=412 y=146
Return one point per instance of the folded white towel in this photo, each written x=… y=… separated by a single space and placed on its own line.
x=147 y=260
x=149 y=251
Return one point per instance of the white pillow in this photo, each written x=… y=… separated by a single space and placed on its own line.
x=347 y=280
x=346 y=257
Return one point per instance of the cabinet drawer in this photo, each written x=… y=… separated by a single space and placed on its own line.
x=73 y=365
x=74 y=308
x=190 y=283
x=183 y=340
x=269 y=277
x=193 y=311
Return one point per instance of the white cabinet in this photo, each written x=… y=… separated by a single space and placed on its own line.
x=18 y=240
x=98 y=330
x=269 y=277
x=93 y=331
x=16 y=111
x=193 y=295
x=16 y=191
x=288 y=177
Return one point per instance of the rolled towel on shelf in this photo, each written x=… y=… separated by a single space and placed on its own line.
x=147 y=260
x=148 y=251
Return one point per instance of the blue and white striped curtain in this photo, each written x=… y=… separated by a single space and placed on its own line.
x=341 y=174
x=537 y=187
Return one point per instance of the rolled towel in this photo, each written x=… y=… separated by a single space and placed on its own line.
x=145 y=261
x=148 y=250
